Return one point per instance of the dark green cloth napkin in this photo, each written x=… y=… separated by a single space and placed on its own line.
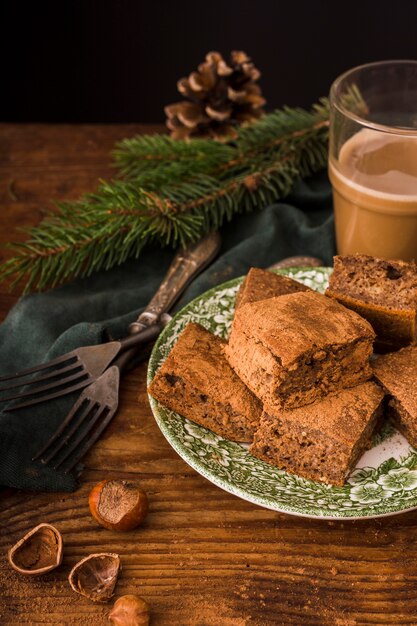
x=42 y=326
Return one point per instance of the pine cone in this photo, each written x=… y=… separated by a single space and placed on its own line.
x=220 y=96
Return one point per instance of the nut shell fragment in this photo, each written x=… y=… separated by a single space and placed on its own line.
x=38 y=552
x=95 y=576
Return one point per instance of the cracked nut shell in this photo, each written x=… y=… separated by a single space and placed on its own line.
x=38 y=552
x=118 y=504
x=95 y=576
x=130 y=610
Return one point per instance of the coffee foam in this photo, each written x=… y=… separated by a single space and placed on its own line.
x=379 y=165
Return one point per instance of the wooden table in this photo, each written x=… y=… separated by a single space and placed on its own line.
x=203 y=557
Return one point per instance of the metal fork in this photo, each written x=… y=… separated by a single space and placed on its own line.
x=79 y=368
x=87 y=419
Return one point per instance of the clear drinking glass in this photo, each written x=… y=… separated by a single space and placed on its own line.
x=373 y=159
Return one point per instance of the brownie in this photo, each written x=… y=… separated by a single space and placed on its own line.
x=321 y=441
x=197 y=382
x=383 y=292
x=294 y=349
x=261 y=284
x=397 y=373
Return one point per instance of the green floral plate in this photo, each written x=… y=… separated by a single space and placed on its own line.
x=384 y=481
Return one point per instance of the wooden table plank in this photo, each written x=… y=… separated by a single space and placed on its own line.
x=203 y=557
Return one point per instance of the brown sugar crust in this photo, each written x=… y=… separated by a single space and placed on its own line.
x=197 y=382
x=261 y=284
x=397 y=372
x=321 y=441
x=293 y=349
x=383 y=292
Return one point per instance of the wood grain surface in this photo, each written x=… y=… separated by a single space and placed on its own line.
x=203 y=557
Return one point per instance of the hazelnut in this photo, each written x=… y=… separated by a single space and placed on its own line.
x=130 y=610
x=118 y=504
x=39 y=551
x=95 y=576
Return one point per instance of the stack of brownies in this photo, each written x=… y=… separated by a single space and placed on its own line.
x=294 y=379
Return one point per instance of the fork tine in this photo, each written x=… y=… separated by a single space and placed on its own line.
x=62 y=427
x=99 y=412
x=90 y=441
x=85 y=422
x=38 y=379
x=42 y=366
x=54 y=385
x=50 y=396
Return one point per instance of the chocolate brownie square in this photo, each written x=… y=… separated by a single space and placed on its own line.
x=197 y=382
x=321 y=441
x=261 y=284
x=383 y=292
x=294 y=349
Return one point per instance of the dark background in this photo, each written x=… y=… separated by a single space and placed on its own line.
x=119 y=61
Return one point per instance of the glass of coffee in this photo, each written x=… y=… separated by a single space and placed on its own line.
x=373 y=159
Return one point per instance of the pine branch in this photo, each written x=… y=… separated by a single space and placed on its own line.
x=171 y=192
x=100 y=231
x=157 y=159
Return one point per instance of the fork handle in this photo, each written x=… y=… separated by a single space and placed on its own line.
x=131 y=357
x=125 y=358
x=186 y=264
x=144 y=336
